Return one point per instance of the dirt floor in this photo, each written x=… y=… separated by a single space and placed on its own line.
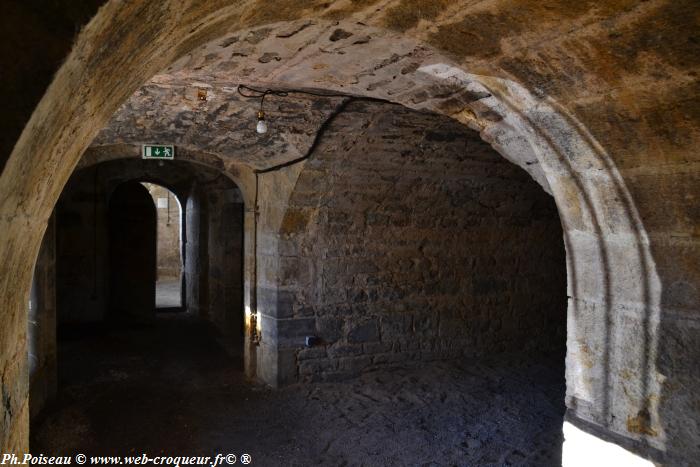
x=169 y=389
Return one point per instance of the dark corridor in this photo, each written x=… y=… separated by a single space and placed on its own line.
x=132 y=253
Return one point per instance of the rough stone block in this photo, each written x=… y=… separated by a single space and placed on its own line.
x=354 y=365
x=395 y=325
x=312 y=353
x=316 y=367
x=329 y=328
x=276 y=302
x=343 y=350
x=376 y=347
x=367 y=331
x=287 y=333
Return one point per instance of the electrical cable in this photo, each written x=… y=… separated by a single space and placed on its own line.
x=261 y=93
x=254 y=93
x=321 y=130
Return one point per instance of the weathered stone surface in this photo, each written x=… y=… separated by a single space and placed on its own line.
x=600 y=87
x=366 y=331
x=312 y=353
x=343 y=350
x=427 y=245
x=329 y=328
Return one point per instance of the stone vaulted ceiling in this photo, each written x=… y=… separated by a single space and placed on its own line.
x=345 y=59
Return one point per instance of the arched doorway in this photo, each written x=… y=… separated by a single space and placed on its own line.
x=104 y=212
x=203 y=226
x=424 y=249
x=132 y=253
x=169 y=275
x=584 y=209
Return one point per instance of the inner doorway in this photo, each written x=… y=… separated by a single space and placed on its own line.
x=169 y=270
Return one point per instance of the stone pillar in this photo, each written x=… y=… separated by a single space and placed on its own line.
x=196 y=261
x=281 y=334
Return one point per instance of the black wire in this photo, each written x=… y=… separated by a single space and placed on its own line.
x=261 y=93
x=322 y=129
x=276 y=92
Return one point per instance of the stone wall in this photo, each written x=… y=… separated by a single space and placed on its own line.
x=409 y=239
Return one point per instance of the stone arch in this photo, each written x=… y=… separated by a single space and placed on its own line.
x=408 y=239
x=603 y=228
x=237 y=173
x=212 y=287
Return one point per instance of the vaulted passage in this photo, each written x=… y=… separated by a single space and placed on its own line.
x=352 y=232
x=404 y=251
x=104 y=268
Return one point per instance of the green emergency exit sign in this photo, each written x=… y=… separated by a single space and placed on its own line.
x=152 y=151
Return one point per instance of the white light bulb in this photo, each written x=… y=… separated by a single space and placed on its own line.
x=261 y=127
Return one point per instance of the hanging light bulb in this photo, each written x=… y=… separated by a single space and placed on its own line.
x=261 y=127
x=248 y=92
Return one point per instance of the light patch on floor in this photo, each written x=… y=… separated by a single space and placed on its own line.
x=168 y=294
x=583 y=450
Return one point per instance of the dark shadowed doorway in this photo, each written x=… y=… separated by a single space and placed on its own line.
x=132 y=252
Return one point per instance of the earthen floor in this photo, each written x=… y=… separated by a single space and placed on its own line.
x=169 y=389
